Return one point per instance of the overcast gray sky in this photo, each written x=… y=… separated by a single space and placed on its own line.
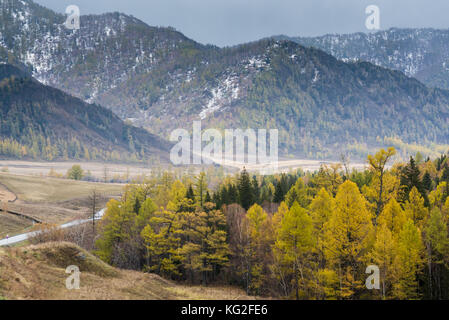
x=230 y=22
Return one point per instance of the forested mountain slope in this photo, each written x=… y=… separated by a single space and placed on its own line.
x=42 y=122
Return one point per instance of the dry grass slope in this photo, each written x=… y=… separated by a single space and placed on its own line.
x=38 y=272
x=6 y=195
x=11 y=225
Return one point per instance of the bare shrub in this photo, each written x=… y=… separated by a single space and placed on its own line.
x=46 y=232
x=82 y=235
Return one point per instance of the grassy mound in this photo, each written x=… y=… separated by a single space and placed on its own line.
x=64 y=254
x=38 y=272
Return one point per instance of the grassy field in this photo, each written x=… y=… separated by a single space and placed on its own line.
x=38 y=272
x=97 y=169
x=6 y=195
x=43 y=189
x=12 y=225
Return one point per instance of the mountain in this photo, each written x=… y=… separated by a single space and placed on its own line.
x=38 y=121
x=160 y=80
x=102 y=61
x=419 y=53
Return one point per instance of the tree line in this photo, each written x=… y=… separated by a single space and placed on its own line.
x=296 y=235
x=39 y=147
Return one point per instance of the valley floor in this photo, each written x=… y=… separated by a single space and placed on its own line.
x=98 y=170
x=26 y=189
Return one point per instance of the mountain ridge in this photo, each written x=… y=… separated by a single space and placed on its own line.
x=160 y=80
x=422 y=53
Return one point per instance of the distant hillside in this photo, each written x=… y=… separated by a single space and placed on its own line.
x=38 y=273
x=42 y=122
x=160 y=80
x=419 y=53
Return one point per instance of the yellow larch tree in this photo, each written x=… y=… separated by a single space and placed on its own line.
x=348 y=237
x=409 y=262
x=295 y=242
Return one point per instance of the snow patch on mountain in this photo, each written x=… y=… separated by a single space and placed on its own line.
x=224 y=94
